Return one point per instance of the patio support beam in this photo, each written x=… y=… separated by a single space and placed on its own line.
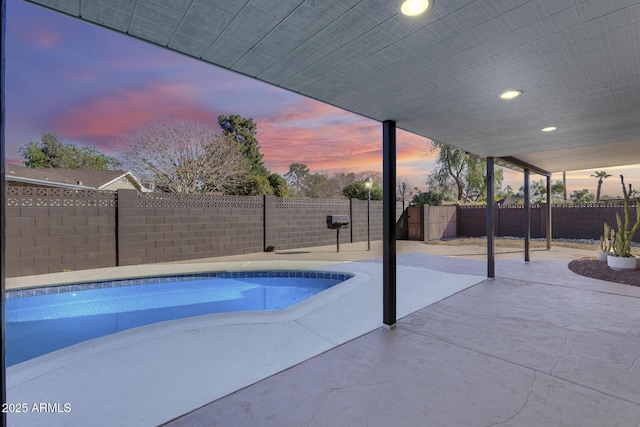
x=389 y=223
x=527 y=215
x=548 y=212
x=490 y=213
x=519 y=165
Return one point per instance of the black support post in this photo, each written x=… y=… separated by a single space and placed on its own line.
x=491 y=262
x=389 y=223
x=549 y=212
x=527 y=215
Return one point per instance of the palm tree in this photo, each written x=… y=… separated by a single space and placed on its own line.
x=601 y=176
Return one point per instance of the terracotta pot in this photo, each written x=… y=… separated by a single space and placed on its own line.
x=621 y=262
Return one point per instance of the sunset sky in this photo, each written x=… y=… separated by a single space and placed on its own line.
x=90 y=86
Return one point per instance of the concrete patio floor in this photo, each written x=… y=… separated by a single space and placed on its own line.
x=537 y=346
x=154 y=373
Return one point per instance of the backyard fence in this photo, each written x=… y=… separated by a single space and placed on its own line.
x=568 y=221
x=51 y=229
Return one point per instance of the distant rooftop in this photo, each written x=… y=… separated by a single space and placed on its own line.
x=68 y=178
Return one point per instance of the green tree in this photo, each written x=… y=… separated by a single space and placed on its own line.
x=279 y=185
x=342 y=179
x=49 y=152
x=296 y=178
x=243 y=131
x=602 y=175
x=254 y=185
x=358 y=190
x=538 y=191
x=431 y=198
x=582 y=196
x=464 y=174
x=321 y=186
x=475 y=179
x=303 y=183
x=260 y=180
x=504 y=193
x=450 y=167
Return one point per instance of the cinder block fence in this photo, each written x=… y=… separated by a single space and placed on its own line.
x=49 y=230
x=568 y=221
x=52 y=230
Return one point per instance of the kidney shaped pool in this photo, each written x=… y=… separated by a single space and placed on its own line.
x=42 y=320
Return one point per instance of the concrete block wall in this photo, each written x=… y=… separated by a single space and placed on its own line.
x=301 y=223
x=172 y=227
x=359 y=220
x=510 y=222
x=50 y=230
x=471 y=221
x=296 y=222
x=587 y=223
x=567 y=221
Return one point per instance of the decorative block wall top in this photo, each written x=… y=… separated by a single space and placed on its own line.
x=178 y=200
x=62 y=197
x=300 y=203
x=609 y=204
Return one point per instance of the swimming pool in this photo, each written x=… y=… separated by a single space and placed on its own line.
x=42 y=320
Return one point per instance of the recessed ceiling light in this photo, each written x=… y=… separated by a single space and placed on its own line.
x=415 y=7
x=510 y=94
x=549 y=129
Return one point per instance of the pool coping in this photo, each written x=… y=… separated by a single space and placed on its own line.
x=185 y=277
x=153 y=270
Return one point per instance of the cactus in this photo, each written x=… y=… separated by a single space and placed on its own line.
x=605 y=239
x=622 y=238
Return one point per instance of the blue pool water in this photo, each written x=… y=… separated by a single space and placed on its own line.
x=39 y=324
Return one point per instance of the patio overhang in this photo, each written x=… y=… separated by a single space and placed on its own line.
x=439 y=75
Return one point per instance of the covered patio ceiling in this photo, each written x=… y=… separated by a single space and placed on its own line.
x=438 y=75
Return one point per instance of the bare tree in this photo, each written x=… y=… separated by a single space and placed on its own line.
x=403 y=190
x=184 y=157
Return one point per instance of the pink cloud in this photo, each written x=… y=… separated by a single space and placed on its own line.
x=309 y=109
x=103 y=119
x=325 y=138
x=42 y=38
x=324 y=146
x=328 y=139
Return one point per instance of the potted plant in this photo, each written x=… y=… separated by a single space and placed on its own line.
x=621 y=258
x=605 y=243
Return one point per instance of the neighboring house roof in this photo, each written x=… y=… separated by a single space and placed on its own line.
x=511 y=200
x=68 y=178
